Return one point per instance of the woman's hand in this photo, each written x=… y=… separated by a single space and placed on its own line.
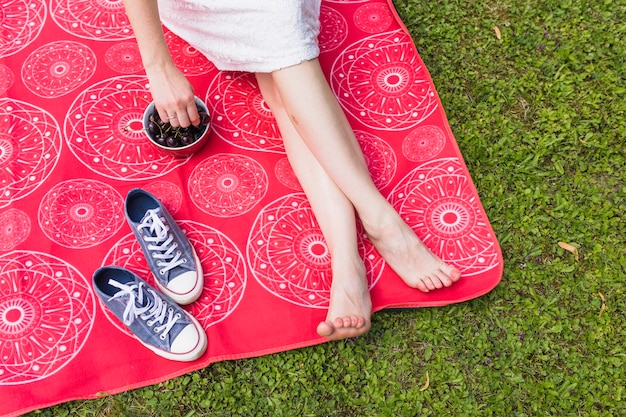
x=173 y=96
x=171 y=91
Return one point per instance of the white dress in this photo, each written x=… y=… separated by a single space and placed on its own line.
x=247 y=35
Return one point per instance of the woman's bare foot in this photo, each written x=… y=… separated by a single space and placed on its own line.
x=407 y=255
x=350 y=303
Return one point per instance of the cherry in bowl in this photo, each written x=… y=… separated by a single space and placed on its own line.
x=180 y=141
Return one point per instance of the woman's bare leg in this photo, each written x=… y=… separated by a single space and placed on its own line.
x=350 y=304
x=320 y=122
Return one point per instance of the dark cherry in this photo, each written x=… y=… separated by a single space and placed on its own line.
x=165 y=135
x=172 y=142
x=186 y=139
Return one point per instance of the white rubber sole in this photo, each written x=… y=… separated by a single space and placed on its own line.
x=192 y=355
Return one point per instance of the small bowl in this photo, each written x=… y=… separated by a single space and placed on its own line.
x=181 y=151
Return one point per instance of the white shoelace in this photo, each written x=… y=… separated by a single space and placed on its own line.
x=157 y=309
x=160 y=241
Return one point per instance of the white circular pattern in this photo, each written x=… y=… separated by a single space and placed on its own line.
x=104 y=130
x=30 y=145
x=81 y=213
x=379 y=156
x=187 y=58
x=21 y=22
x=373 y=17
x=92 y=19
x=14 y=228
x=288 y=255
x=333 y=29
x=227 y=185
x=57 y=68
x=224 y=274
x=286 y=176
x=124 y=58
x=6 y=79
x=46 y=313
x=381 y=81
x=423 y=143
x=438 y=201
x=168 y=193
x=239 y=114
x=222 y=262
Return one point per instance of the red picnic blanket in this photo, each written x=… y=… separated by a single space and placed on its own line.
x=72 y=94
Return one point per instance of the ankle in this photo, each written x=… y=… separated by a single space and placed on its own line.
x=376 y=226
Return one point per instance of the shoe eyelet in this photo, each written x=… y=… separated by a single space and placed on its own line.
x=177 y=315
x=170 y=309
x=162 y=337
x=161 y=272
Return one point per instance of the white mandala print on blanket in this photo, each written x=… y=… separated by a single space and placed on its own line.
x=289 y=257
x=187 y=58
x=21 y=22
x=81 y=213
x=124 y=57
x=92 y=19
x=373 y=17
x=223 y=265
x=239 y=114
x=30 y=145
x=423 y=143
x=437 y=200
x=6 y=79
x=380 y=82
x=104 y=131
x=379 y=157
x=285 y=175
x=333 y=29
x=58 y=68
x=14 y=228
x=46 y=315
x=227 y=185
x=168 y=193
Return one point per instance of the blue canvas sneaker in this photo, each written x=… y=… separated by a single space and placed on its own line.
x=156 y=321
x=170 y=256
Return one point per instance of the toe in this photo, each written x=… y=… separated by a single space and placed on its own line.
x=438 y=279
x=339 y=323
x=450 y=273
x=325 y=329
x=421 y=285
x=429 y=283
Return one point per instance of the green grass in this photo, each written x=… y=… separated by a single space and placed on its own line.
x=539 y=117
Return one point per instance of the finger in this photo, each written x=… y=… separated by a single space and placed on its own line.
x=162 y=112
x=182 y=118
x=192 y=113
x=173 y=119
